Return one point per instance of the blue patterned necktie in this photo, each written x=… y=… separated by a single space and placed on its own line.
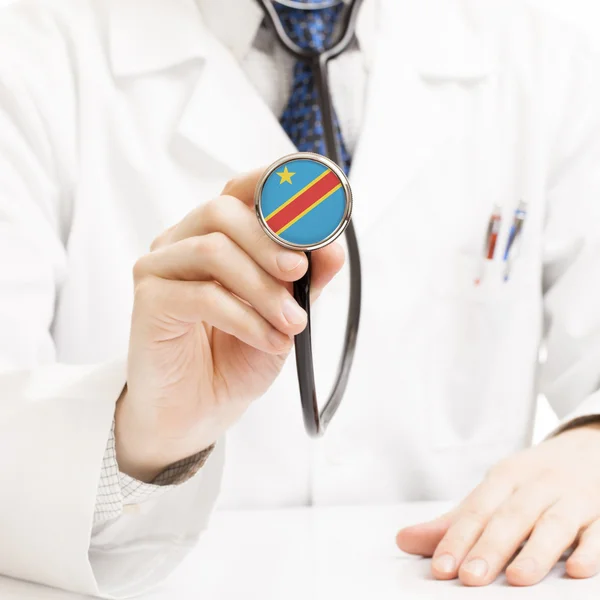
x=302 y=119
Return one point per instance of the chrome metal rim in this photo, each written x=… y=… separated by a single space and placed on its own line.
x=345 y=186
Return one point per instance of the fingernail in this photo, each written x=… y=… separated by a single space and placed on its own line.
x=445 y=563
x=288 y=261
x=278 y=340
x=292 y=312
x=477 y=567
x=525 y=565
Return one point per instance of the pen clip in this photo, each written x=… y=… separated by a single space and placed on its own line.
x=491 y=238
x=513 y=237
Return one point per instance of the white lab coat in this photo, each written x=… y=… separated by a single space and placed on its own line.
x=117 y=119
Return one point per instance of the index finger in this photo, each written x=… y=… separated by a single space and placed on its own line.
x=326 y=261
x=241 y=225
x=241 y=187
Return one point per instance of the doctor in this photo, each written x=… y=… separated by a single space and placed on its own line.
x=132 y=135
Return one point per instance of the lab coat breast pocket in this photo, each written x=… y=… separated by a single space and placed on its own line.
x=483 y=344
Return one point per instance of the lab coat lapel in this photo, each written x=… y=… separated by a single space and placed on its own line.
x=224 y=118
x=156 y=36
x=408 y=115
x=410 y=118
x=227 y=120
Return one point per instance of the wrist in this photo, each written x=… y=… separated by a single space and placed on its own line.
x=144 y=449
x=136 y=456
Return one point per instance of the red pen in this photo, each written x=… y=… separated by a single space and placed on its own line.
x=491 y=239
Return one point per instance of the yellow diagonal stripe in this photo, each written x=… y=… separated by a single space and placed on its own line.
x=335 y=189
x=298 y=194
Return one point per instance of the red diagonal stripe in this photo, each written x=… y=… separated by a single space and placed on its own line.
x=304 y=201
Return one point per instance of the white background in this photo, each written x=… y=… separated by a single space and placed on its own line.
x=584 y=14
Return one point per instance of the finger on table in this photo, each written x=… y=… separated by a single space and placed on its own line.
x=505 y=531
x=422 y=539
x=470 y=520
x=554 y=532
x=585 y=560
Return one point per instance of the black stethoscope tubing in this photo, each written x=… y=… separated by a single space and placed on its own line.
x=316 y=420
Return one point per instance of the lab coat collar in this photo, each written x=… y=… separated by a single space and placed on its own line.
x=164 y=33
x=153 y=35
x=236 y=24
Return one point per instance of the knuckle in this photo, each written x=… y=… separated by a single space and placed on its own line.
x=221 y=211
x=141 y=268
x=227 y=202
x=197 y=245
x=161 y=240
x=510 y=512
x=207 y=246
x=157 y=242
x=500 y=470
x=556 y=519
x=231 y=185
x=211 y=213
x=455 y=537
x=216 y=243
x=475 y=515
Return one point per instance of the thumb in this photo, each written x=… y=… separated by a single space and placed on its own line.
x=423 y=538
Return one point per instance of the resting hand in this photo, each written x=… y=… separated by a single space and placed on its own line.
x=213 y=321
x=547 y=496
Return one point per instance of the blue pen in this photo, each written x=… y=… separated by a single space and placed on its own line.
x=513 y=236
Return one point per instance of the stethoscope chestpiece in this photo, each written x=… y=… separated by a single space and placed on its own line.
x=303 y=201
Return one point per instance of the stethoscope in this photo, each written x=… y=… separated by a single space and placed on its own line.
x=316 y=420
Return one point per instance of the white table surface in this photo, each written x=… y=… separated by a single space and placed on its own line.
x=317 y=554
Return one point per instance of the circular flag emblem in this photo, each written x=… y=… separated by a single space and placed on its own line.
x=303 y=201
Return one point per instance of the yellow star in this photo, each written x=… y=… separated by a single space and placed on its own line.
x=285 y=176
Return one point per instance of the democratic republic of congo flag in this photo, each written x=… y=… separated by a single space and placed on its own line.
x=303 y=202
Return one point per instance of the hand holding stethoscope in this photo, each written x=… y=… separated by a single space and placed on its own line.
x=321 y=200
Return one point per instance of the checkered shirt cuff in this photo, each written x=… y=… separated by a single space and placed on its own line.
x=116 y=489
